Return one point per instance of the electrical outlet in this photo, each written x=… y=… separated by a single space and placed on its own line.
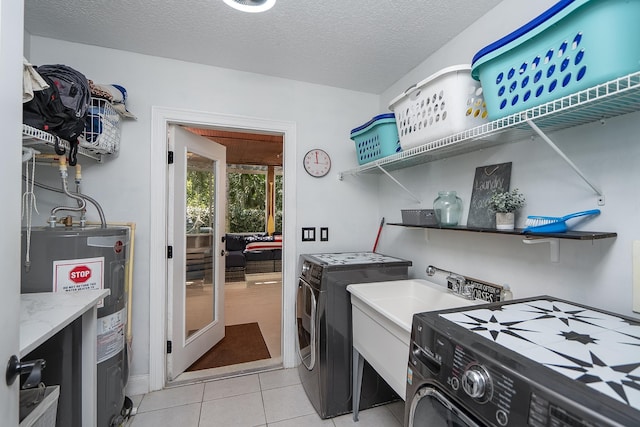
x=636 y=276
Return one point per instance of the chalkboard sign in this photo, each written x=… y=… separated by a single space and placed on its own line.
x=487 y=180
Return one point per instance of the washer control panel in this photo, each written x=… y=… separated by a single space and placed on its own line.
x=476 y=382
x=487 y=390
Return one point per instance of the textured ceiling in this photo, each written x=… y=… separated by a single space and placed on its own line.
x=247 y=148
x=364 y=45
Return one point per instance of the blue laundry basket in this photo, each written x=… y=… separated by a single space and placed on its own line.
x=376 y=139
x=574 y=45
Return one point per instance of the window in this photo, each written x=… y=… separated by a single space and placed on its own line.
x=247 y=199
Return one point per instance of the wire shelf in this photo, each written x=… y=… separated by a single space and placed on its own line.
x=45 y=143
x=610 y=99
x=101 y=135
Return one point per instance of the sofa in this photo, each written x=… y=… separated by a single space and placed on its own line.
x=252 y=254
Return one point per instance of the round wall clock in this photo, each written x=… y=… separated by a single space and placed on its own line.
x=317 y=163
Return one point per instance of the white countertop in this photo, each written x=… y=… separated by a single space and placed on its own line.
x=42 y=315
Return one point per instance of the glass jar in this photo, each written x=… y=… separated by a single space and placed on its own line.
x=506 y=294
x=448 y=208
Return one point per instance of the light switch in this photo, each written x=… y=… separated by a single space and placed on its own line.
x=308 y=234
x=636 y=275
x=324 y=234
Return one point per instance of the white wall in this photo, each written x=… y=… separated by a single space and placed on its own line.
x=10 y=123
x=323 y=116
x=596 y=273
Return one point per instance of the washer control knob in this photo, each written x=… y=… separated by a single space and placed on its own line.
x=455 y=383
x=476 y=383
x=305 y=268
x=502 y=417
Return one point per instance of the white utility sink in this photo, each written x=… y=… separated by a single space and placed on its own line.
x=382 y=316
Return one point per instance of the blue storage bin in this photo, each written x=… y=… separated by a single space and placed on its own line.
x=377 y=138
x=574 y=45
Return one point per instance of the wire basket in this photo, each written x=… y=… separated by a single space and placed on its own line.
x=102 y=128
x=572 y=46
x=445 y=103
x=376 y=139
x=39 y=406
x=419 y=217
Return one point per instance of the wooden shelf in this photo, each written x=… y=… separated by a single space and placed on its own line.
x=569 y=235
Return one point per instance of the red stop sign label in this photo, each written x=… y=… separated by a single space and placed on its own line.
x=80 y=274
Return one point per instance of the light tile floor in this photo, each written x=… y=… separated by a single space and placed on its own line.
x=273 y=399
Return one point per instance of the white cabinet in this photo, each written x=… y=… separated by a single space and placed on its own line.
x=42 y=315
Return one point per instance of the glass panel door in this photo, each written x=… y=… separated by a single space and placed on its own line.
x=197 y=198
x=199 y=266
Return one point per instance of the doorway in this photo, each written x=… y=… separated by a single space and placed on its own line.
x=161 y=118
x=253 y=271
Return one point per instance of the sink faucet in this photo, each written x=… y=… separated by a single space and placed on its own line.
x=455 y=283
x=458 y=285
x=467 y=290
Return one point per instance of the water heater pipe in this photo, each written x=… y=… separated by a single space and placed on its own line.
x=65 y=188
x=103 y=222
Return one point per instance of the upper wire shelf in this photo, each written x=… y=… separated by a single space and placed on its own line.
x=45 y=142
x=610 y=99
x=101 y=134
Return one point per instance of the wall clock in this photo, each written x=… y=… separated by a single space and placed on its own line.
x=317 y=163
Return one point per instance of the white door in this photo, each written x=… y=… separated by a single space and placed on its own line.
x=196 y=224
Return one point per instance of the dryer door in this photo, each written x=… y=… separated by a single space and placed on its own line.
x=306 y=303
x=431 y=408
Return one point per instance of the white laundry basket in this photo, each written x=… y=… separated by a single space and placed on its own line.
x=443 y=104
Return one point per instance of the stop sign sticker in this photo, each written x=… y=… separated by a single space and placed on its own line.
x=80 y=274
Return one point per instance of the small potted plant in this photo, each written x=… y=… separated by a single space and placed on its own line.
x=505 y=204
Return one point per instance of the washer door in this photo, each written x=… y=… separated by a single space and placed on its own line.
x=431 y=408
x=306 y=303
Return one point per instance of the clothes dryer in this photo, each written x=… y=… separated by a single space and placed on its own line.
x=323 y=315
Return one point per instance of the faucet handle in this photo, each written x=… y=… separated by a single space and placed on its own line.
x=455 y=282
x=467 y=289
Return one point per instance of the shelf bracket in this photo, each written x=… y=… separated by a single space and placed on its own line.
x=415 y=198
x=554 y=246
x=546 y=139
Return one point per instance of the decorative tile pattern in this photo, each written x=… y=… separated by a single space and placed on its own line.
x=354 y=258
x=583 y=344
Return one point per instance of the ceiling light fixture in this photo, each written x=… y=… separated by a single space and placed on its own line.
x=251 y=6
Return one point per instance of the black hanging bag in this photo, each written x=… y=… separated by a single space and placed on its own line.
x=45 y=111
x=62 y=108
